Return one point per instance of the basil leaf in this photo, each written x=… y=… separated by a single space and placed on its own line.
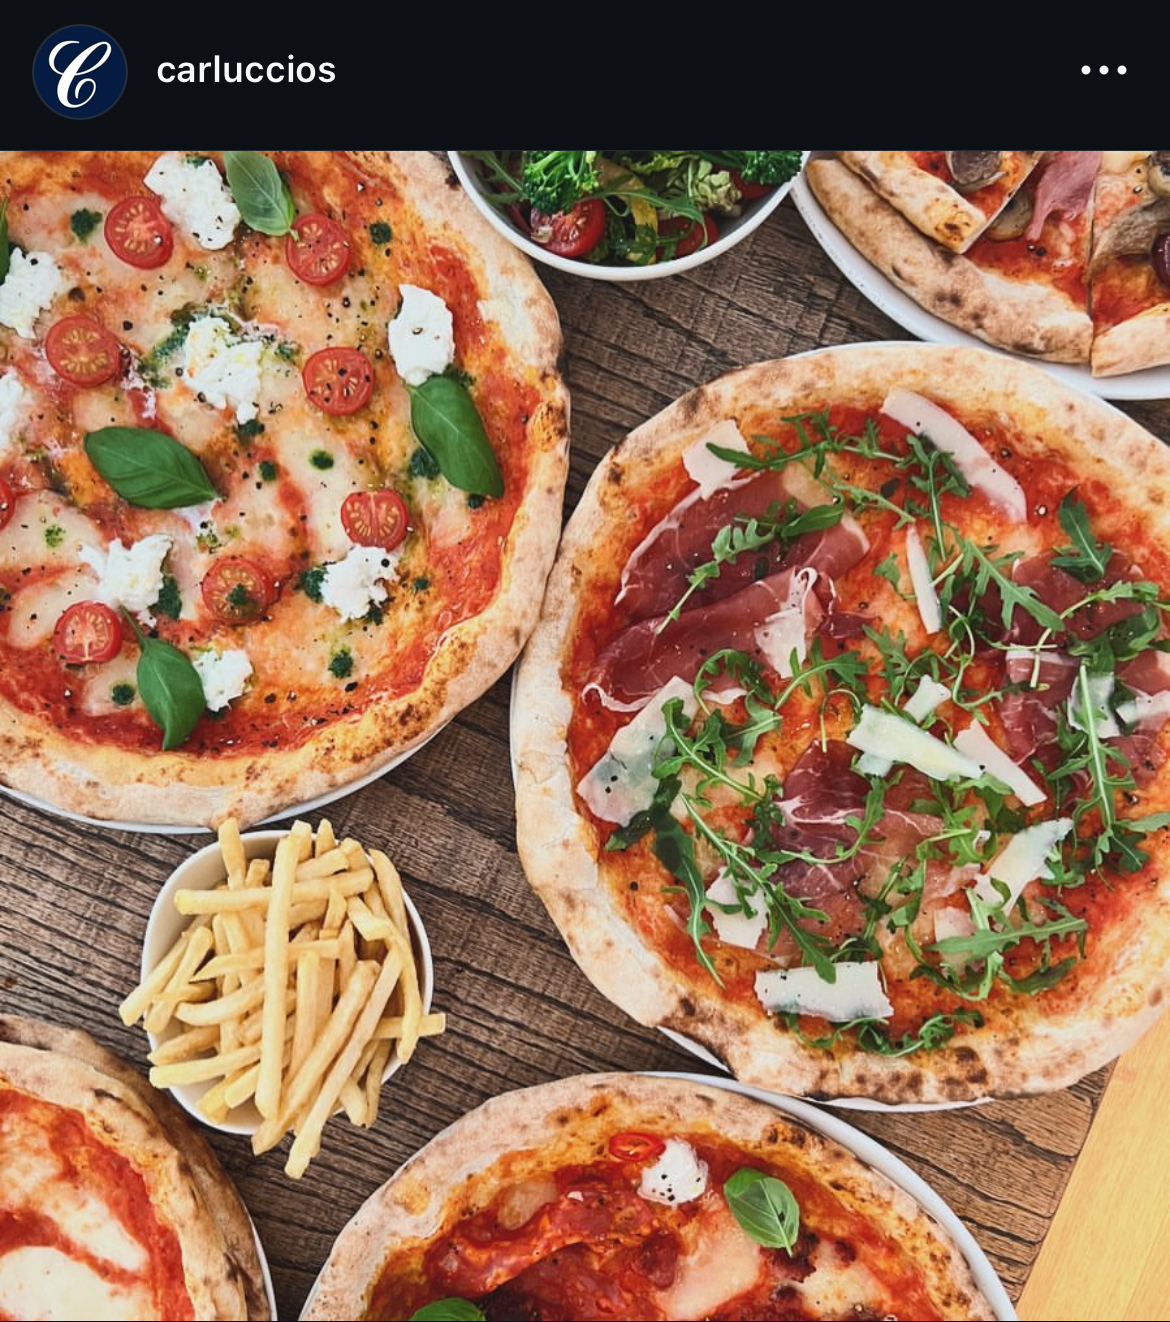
x=169 y=686
x=149 y=468
x=445 y=420
x=261 y=194
x=4 y=253
x=764 y=1207
x=448 y=1310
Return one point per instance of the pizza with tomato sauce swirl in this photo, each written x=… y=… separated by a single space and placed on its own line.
x=111 y=1206
x=634 y=1197
x=842 y=740
x=282 y=453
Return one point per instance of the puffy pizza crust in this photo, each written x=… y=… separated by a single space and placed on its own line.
x=929 y=203
x=524 y=1134
x=190 y=1191
x=1142 y=341
x=1030 y=1049
x=1031 y=318
x=113 y=783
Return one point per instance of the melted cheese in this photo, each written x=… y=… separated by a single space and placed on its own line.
x=44 y=1283
x=718 y=1262
x=33 y=612
x=678 y=1176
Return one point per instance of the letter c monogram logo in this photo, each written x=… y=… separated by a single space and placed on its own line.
x=79 y=71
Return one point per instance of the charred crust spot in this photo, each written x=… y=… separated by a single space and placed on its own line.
x=1155 y=997
x=687 y=1007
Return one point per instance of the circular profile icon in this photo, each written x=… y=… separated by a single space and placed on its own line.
x=79 y=71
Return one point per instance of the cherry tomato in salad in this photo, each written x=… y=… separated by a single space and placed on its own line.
x=339 y=381
x=82 y=351
x=695 y=234
x=375 y=518
x=317 y=250
x=630 y=1145
x=88 y=631
x=570 y=233
x=237 y=589
x=138 y=233
x=7 y=502
x=748 y=190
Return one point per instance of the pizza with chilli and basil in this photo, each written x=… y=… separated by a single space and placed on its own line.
x=111 y=1206
x=842 y=738
x=282 y=454
x=634 y=1197
x=1062 y=255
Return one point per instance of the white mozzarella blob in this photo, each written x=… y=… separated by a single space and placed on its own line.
x=32 y=282
x=223 y=675
x=223 y=368
x=678 y=1176
x=351 y=586
x=195 y=197
x=421 y=336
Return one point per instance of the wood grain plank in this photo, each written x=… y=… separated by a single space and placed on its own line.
x=1108 y=1252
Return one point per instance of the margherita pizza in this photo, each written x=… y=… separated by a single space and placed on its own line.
x=282 y=453
x=842 y=740
x=1071 y=264
x=111 y=1206
x=628 y=1197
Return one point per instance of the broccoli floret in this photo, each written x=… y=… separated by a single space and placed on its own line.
x=557 y=180
x=712 y=190
x=770 y=167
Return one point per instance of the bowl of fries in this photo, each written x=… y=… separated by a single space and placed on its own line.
x=286 y=975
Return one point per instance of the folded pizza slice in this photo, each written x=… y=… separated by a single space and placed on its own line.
x=1130 y=271
x=1021 y=284
x=950 y=196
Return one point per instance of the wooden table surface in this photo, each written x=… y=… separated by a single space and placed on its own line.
x=74 y=899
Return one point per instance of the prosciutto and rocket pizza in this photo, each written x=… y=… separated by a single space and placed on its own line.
x=627 y=1197
x=1072 y=264
x=111 y=1206
x=841 y=740
x=282 y=452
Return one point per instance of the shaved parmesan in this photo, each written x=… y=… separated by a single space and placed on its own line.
x=951 y=922
x=622 y=782
x=883 y=734
x=788 y=630
x=1023 y=860
x=678 y=1176
x=925 y=596
x=735 y=929
x=921 y=704
x=709 y=470
x=1146 y=709
x=857 y=993
x=977 y=743
x=972 y=460
x=1100 y=692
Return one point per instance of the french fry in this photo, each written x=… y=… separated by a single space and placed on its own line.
x=293 y=986
x=276 y=963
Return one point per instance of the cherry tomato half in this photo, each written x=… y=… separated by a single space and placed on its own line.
x=630 y=1145
x=375 y=518
x=139 y=233
x=82 y=351
x=317 y=250
x=570 y=233
x=237 y=589
x=695 y=234
x=747 y=190
x=7 y=502
x=338 y=381
x=88 y=632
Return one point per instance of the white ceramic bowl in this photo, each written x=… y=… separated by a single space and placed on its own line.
x=203 y=871
x=755 y=213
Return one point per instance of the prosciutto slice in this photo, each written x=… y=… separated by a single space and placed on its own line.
x=1029 y=715
x=657 y=572
x=1065 y=186
x=1060 y=591
x=641 y=659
